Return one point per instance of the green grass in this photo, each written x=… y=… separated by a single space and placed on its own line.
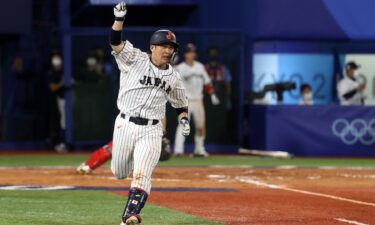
x=80 y=208
x=76 y=159
x=43 y=160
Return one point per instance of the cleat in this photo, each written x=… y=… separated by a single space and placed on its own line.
x=83 y=169
x=200 y=155
x=178 y=155
x=61 y=148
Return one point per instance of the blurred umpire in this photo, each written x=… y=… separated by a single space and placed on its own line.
x=350 y=91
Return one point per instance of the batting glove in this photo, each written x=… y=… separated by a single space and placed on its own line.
x=184 y=123
x=120 y=11
x=214 y=99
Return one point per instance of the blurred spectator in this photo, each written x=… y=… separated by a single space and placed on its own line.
x=94 y=72
x=220 y=76
x=25 y=86
x=350 y=91
x=18 y=67
x=195 y=79
x=57 y=87
x=306 y=95
x=105 y=64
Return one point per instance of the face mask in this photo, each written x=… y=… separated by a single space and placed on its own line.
x=356 y=73
x=56 y=61
x=307 y=96
x=91 y=61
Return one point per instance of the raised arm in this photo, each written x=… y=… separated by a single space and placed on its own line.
x=209 y=88
x=119 y=12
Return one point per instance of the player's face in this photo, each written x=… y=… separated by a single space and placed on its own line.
x=190 y=56
x=350 y=72
x=161 y=54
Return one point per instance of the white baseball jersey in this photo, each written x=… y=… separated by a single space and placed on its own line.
x=344 y=86
x=195 y=77
x=145 y=89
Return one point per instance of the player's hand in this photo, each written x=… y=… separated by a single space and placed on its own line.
x=214 y=99
x=120 y=11
x=184 y=123
x=361 y=87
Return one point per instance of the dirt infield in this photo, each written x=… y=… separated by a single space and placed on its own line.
x=246 y=195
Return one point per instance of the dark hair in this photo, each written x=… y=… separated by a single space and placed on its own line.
x=212 y=47
x=304 y=86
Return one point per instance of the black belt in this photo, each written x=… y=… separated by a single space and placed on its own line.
x=139 y=120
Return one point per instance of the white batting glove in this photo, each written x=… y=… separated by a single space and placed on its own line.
x=184 y=123
x=120 y=11
x=214 y=99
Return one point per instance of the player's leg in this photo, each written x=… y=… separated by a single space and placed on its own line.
x=61 y=147
x=122 y=148
x=179 y=140
x=200 y=132
x=96 y=159
x=146 y=156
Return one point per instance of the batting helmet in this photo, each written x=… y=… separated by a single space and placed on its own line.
x=160 y=37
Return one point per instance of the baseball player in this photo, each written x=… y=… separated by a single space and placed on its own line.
x=147 y=82
x=350 y=90
x=104 y=153
x=195 y=80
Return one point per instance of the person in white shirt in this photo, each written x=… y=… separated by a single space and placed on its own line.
x=195 y=80
x=306 y=95
x=350 y=91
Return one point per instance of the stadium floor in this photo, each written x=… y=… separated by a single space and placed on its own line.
x=287 y=192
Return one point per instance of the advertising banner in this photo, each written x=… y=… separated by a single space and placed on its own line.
x=331 y=130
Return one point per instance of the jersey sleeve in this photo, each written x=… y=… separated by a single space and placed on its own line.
x=177 y=96
x=206 y=77
x=127 y=56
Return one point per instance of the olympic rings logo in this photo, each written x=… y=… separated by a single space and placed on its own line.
x=352 y=132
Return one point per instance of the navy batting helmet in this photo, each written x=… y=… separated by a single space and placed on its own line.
x=160 y=37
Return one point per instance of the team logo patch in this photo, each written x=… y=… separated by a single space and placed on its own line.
x=169 y=35
x=135 y=202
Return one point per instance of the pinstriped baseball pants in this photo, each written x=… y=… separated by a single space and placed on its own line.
x=136 y=149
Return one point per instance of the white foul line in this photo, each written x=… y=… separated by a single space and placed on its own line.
x=273 y=186
x=36 y=187
x=350 y=221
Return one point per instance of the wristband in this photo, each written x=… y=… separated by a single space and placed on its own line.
x=181 y=110
x=121 y=19
x=115 y=37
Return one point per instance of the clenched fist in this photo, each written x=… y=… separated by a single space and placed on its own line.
x=120 y=11
x=184 y=123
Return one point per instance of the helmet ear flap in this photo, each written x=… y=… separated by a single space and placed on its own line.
x=174 y=55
